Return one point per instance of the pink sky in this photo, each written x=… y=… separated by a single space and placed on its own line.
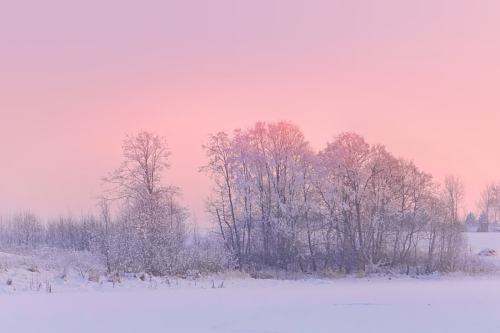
x=421 y=77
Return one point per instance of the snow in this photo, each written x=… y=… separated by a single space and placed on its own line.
x=487 y=253
x=455 y=303
x=482 y=240
x=481 y=243
x=266 y=306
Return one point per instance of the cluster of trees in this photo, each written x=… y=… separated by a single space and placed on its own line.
x=275 y=204
x=489 y=210
x=141 y=226
x=26 y=230
x=350 y=207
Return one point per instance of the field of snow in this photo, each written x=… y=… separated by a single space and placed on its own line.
x=432 y=304
x=481 y=240
x=266 y=306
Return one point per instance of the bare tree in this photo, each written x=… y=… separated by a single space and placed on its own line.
x=153 y=220
x=489 y=203
x=454 y=194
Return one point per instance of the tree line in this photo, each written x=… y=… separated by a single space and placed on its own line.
x=350 y=207
x=275 y=204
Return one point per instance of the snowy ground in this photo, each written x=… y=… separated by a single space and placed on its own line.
x=434 y=304
x=481 y=240
x=266 y=306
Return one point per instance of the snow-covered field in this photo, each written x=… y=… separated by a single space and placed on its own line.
x=266 y=306
x=432 y=304
x=481 y=240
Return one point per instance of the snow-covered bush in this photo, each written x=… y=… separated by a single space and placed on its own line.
x=205 y=255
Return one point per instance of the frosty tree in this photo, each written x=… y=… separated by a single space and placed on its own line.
x=352 y=206
x=151 y=220
x=489 y=203
x=275 y=203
